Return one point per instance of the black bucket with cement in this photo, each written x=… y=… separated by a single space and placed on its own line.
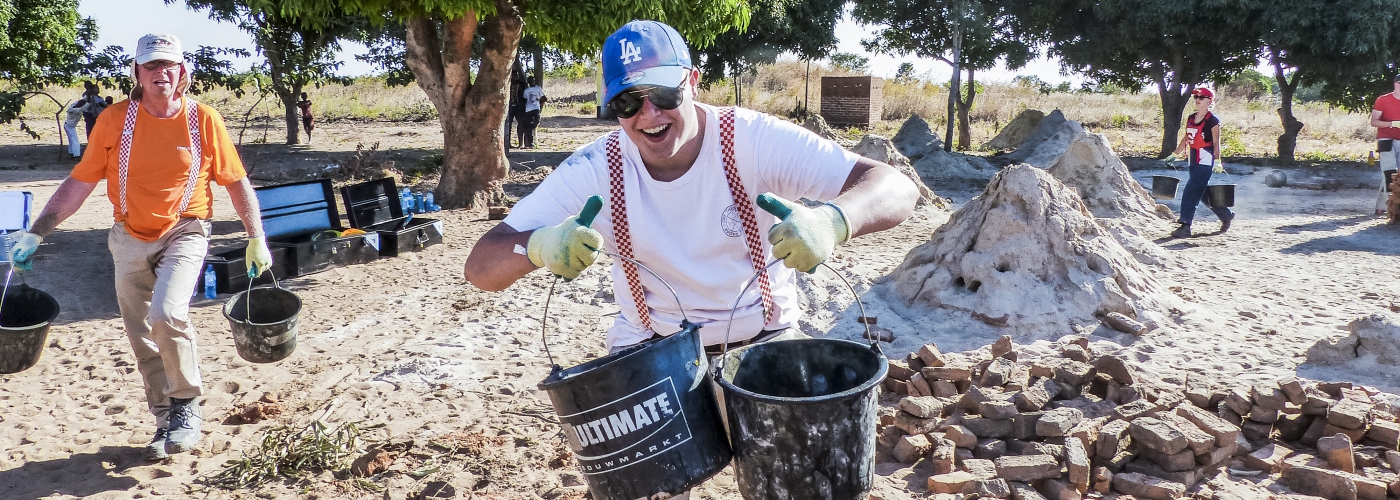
x=1220 y=195
x=25 y=316
x=802 y=417
x=1163 y=187
x=642 y=421
x=802 y=414
x=264 y=323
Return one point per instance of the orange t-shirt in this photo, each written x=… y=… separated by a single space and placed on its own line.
x=159 y=166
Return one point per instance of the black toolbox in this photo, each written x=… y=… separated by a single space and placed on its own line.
x=231 y=270
x=374 y=206
x=297 y=217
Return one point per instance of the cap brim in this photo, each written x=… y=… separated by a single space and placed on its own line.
x=662 y=76
x=162 y=56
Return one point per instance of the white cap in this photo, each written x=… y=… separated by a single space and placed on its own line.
x=159 y=46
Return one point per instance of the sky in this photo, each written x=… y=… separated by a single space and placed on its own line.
x=122 y=22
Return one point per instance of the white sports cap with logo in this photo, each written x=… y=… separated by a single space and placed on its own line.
x=159 y=46
x=644 y=53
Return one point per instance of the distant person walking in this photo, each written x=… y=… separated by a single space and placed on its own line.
x=75 y=112
x=307 y=121
x=95 y=105
x=515 y=110
x=534 y=98
x=1203 y=142
x=161 y=154
x=1385 y=116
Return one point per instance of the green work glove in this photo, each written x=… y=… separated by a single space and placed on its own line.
x=806 y=236
x=1171 y=159
x=22 y=255
x=1217 y=167
x=570 y=247
x=258 y=257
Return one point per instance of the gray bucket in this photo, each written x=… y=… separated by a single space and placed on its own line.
x=264 y=322
x=1220 y=195
x=802 y=416
x=1163 y=187
x=25 y=316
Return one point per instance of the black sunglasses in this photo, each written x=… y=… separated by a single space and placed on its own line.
x=629 y=102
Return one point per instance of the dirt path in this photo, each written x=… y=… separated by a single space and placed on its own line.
x=406 y=345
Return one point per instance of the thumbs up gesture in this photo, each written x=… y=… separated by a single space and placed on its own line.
x=806 y=236
x=570 y=247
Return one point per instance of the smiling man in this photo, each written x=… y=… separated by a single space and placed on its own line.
x=687 y=185
x=160 y=152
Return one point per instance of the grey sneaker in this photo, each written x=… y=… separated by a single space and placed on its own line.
x=155 y=451
x=185 y=419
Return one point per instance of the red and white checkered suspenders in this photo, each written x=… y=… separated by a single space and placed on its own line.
x=618 y=202
x=196 y=157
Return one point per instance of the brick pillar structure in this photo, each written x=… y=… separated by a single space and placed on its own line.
x=852 y=100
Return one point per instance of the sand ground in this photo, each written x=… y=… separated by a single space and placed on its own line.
x=410 y=351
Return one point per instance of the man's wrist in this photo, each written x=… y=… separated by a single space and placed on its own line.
x=840 y=223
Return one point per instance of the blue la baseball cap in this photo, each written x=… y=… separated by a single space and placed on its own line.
x=644 y=53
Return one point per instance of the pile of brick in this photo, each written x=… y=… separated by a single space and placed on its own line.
x=1079 y=426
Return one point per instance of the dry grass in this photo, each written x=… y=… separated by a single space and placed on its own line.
x=1132 y=122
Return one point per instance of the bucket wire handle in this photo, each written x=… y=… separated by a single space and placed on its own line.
x=544 y=322
x=9 y=274
x=724 y=347
x=248 y=297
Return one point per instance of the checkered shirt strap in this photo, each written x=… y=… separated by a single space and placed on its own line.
x=745 y=206
x=617 y=200
x=196 y=157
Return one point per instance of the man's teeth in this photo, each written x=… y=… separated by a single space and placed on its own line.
x=655 y=130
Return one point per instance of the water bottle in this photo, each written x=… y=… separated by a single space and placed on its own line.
x=406 y=201
x=209 y=279
x=4 y=245
x=418 y=203
x=428 y=202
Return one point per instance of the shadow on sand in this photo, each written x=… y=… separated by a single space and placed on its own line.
x=99 y=472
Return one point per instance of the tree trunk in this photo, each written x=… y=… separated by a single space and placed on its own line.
x=471 y=112
x=291 y=112
x=1174 y=95
x=1288 y=142
x=954 y=88
x=539 y=65
x=964 y=109
x=738 y=90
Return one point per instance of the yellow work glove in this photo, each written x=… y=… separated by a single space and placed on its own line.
x=570 y=247
x=258 y=258
x=806 y=236
x=22 y=255
x=1217 y=167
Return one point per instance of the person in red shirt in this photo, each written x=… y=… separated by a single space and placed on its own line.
x=1385 y=116
x=307 y=121
x=1203 y=141
x=160 y=153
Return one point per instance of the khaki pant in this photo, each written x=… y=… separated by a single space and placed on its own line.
x=154 y=283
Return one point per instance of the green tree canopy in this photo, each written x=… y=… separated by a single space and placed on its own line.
x=804 y=27
x=1345 y=45
x=1174 y=45
x=969 y=35
x=467 y=79
x=299 y=52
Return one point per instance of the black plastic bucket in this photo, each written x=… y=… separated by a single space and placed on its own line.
x=25 y=316
x=802 y=415
x=1220 y=195
x=264 y=323
x=641 y=421
x=1163 y=187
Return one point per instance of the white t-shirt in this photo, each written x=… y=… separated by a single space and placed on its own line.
x=688 y=230
x=532 y=98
